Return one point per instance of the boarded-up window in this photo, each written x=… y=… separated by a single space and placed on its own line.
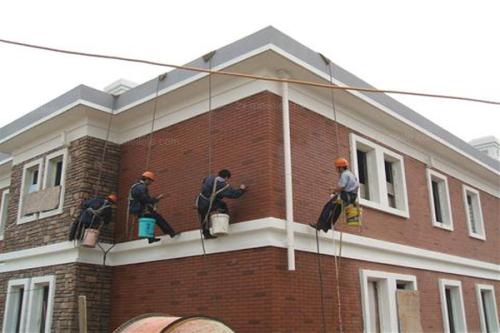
x=408 y=302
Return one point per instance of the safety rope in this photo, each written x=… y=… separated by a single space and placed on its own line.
x=206 y=219
x=323 y=320
x=336 y=257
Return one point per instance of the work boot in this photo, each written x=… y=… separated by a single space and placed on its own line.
x=153 y=240
x=175 y=234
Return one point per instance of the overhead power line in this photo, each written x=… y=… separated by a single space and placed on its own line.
x=249 y=76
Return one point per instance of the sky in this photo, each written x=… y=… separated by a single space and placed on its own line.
x=439 y=46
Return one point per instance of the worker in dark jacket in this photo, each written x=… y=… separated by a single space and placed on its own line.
x=95 y=213
x=344 y=194
x=213 y=190
x=143 y=205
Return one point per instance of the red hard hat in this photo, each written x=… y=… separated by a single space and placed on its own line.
x=113 y=197
x=341 y=162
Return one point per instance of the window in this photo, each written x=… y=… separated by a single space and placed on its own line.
x=39 y=201
x=30 y=183
x=474 y=213
x=452 y=306
x=439 y=200
x=487 y=308
x=378 y=295
x=29 y=305
x=381 y=175
x=15 y=306
x=4 y=204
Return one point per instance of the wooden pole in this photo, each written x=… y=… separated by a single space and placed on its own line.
x=82 y=314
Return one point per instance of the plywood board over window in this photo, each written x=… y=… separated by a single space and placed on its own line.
x=409 y=311
x=41 y=201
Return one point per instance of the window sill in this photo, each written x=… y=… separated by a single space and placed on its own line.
x=385 y=209
x=442 y=226
x=478 y=236
x=27 y=219
x=50 y=213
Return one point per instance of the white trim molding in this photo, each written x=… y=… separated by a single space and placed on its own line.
x=4 y=204
x=457 y=302
x=35 y=303
x=477 y=213
x=387 y=286
x=265 y=232
x=487 y=308
x=443 y=200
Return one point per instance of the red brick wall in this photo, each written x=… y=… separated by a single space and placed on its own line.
x=244 y=140
x=313 y=155
x=252 y=291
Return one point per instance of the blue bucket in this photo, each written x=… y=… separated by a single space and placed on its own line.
x=146 y=227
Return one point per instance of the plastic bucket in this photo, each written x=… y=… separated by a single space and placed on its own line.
x=220 y=224
x=146 y=227
x=353 y=215
x=90 y=237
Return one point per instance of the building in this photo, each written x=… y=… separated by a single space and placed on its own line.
x=430 y=204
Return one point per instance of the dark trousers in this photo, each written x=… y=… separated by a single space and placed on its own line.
x=218 y=205
x=161 y=222
x=332 y=210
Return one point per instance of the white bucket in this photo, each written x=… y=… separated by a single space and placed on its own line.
x=90 y=237
x=220 y=224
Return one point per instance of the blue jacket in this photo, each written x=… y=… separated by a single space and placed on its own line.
x=207 y=188
x=96 y=211
x=139 y=198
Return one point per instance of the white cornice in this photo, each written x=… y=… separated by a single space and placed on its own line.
x=247 y=235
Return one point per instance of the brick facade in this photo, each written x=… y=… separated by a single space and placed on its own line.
x=251 y=290
x=72 y=280
x=84 y=156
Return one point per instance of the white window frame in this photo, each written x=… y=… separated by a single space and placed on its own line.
x=458 y=305
x=480 y=222
x=376 y=175
x=8 y=317
x=3 y=210
x=44 y=165
x=389 y=321
x=36 y=282
x=24 y=219
x=59 y=209
x=447 y=223
x=494 y=325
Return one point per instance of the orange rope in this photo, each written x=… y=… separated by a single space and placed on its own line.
x=249 y=76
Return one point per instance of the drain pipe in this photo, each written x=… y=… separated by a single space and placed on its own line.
x=290 y=236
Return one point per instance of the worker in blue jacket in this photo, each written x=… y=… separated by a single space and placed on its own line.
x=95 y=213
x=347 y=189
x=213 y=190
x=143 y=205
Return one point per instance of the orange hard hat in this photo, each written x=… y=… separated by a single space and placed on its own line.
x=113 y=197
x=341 y=162
x=149 y=174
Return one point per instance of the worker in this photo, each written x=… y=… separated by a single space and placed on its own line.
x=142 y=204
x=213 y=190
x=347 y=187
x=95 y=213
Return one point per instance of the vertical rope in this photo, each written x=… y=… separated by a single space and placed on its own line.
x=108 y=132
x=155 y=107
x=323 y=320
x=337 y=149
x=210 y=117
